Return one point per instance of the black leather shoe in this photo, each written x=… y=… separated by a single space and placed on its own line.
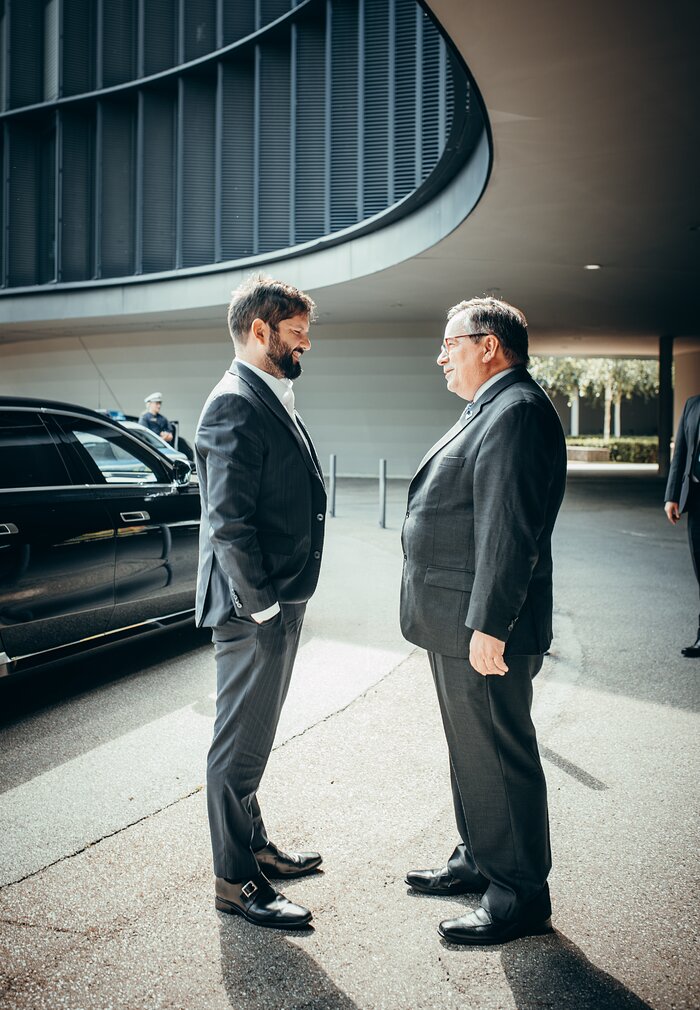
x=275 y=863
x=258 y=902
x=691 y=650
x=477 y=928
x=443 y=882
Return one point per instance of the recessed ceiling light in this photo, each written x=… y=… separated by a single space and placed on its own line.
x=592 y=266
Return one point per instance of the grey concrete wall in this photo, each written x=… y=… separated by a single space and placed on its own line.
x=367 y=391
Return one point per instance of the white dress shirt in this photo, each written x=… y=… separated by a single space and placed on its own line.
x=282 y=388
x=489 y=382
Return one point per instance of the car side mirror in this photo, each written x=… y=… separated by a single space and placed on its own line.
x=182 y=472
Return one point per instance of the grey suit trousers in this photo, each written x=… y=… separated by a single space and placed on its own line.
x=498 y=786
x=253 y=668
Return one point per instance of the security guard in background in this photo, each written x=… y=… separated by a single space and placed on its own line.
x=153 y=419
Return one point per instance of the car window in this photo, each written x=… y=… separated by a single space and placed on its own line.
x=28 y=455
x=117 y=458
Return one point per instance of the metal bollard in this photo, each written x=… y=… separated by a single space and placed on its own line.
x=331 y=488
x=382 y=493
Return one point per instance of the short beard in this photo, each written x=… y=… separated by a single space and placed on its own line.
x=280 y=356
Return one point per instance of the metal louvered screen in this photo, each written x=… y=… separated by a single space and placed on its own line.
x=344 y=115
x=273 y=146
x=270 y=10
x=117 y=189
x=159 y=112
x=237 y=189
x=308 y=128
x=197 y=166
x=200 y=28
x=160 y=35
x=77 y=196
x=46 y=197
x=118 y=41
x=79 y=47
x=309 y=140
x=50 y=50
x=376 y=108
x=23 y=205
x=404 y=143
x=430 y=76
x=26 y=48
x=238 y=21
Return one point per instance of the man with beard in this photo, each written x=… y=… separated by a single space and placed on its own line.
x=263 y=512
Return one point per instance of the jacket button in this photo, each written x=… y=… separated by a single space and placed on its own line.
x=317 y=554
x=407 y=514
x=405 y=557
x=320 y=517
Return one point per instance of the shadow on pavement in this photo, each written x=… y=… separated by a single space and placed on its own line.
x=263 y=969
x=551 y=972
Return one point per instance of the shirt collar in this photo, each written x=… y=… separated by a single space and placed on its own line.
x=279 y=387
x=490 y=382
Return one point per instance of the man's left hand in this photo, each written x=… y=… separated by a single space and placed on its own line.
x=486 y=655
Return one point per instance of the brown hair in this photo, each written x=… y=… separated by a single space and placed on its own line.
x=261 y=297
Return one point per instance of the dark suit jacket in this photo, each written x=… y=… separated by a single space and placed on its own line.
x=685 y=451
x=263 y=502
x=477 y=534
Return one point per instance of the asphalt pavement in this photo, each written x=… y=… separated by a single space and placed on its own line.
x=105 y=876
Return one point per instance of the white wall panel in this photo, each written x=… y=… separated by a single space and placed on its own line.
x=366 y=393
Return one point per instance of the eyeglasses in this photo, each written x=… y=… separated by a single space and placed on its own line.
x=450 y=342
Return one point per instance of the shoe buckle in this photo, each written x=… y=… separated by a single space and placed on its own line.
x=249 y=889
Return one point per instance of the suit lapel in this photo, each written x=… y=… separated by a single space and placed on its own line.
x=463 y=423
x=264 y=393
x=516 y=376
x=311 y=447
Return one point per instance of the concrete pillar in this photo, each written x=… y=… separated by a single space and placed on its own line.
x=686 y=356
x=665 y=403
x=574 y=421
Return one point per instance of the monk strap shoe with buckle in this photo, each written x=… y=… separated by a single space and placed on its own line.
x=443 y=882
x=257 y=901
x=277 y=864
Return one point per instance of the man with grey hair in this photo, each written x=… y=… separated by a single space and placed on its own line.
x=477 y=595
x=261 y=538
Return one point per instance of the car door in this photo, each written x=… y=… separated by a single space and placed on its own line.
x=156 y=521
x=57 y=543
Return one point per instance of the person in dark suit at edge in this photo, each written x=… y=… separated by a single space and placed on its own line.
x=261 y=539
x=683 y=490
x=476 y=593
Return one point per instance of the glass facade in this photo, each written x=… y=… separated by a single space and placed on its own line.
x=150 y=136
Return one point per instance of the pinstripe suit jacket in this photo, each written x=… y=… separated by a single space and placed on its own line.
x=477 y=534
x=263 y=502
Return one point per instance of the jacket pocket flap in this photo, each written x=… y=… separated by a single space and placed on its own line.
x=452 y=461
x=450 y=578
x=276 y=543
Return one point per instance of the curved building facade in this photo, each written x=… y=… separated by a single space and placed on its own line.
x=144 y=137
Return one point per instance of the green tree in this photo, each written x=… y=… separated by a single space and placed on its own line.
x=615 y=379
x=561 y=375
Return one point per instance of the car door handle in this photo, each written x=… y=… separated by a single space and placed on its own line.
x=134 y=517
x=7 y=528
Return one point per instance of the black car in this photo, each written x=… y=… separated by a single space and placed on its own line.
x=98 y=533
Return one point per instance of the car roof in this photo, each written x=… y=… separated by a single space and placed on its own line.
x=74 y=408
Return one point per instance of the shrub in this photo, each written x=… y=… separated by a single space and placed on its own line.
x=630 y=449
